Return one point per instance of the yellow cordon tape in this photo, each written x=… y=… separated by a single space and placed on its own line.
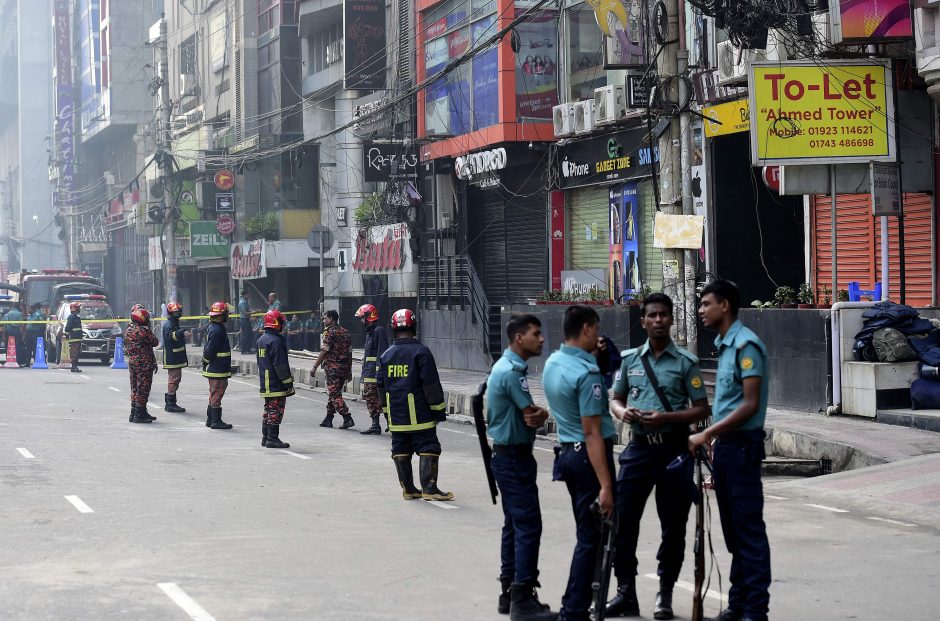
x=154 y=319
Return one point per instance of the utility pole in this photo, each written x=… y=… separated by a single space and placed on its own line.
x=671 y=172
x=165 y=162
x=685 y=158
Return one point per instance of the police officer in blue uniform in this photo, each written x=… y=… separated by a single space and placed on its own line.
x=512 y=418
x=737 y=431
x=653 y=391
x=577 y=399
x=410 y=388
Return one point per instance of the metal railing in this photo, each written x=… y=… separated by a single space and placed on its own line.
x=448 y=283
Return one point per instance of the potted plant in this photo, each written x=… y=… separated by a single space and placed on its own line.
x=785 y=297
x=842 y=296
x=827 y=298
x=760 y=305
x=805 y=296
x=638 y=295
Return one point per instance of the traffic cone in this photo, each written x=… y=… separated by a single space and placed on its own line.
x=40 y=362
x=65 y=358
x=11 y=354
x=119 y=362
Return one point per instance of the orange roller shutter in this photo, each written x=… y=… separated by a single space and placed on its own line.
x=859 y=246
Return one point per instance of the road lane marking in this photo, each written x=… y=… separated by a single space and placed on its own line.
x=83 y=376
x=78 y=504
x=113 y=388
x=772 y=497
x=442 y=505
x=887 y=521
x=188 y=604
x=154 y=405
x=825 y=508
x=26 y=453
x=296 y=454
x=688 y=586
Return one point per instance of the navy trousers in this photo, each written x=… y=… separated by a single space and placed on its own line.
x=515 y=471
x=573 y=466
x=642 y=467
x=738 y=489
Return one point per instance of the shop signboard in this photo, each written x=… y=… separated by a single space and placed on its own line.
x=384 y=161
x=383 y=250
x=481 y=169
x=804 y=112
x=885 y=190
x=624 y=241
x=582 y=282
x=727 y=118
x=206 y=240
x=621 y=156
x=364 y=56
x=247 y=260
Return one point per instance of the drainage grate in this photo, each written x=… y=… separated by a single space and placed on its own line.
x=825 y=466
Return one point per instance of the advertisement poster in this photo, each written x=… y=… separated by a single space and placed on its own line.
x=804 y=113
x=624 y=241
x=537 y=66
x=870 y=20
x=624 y=44
x=364 y=58
x=485 y=69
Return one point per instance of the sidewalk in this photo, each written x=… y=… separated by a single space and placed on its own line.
x=847 y=442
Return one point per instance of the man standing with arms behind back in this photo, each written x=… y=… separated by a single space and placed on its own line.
x=512 y=420
x=245 y=336
x=737 y=431
x=584 y=461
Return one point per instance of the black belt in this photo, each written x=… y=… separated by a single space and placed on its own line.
x=512 y=450
x=609 y=442
x=659 y=438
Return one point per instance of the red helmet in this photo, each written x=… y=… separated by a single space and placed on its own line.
x=140 y=315
x=368 y=311
x=174 y=307
x=137 y=306
x=75 y=307
x=403 y=318
x=274 y=319
x=218 y=309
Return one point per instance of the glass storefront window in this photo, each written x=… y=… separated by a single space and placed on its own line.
x=537 y=66
x=585 y=53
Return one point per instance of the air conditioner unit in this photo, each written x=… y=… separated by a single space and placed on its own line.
x=584 y=117
x=563 y=119
x=610 y=104
x=733 y=62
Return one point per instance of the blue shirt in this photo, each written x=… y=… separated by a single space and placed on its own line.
x=575 y=388
x=244 y=310
x=677 y=372
x=740 y=354
x=507 y=394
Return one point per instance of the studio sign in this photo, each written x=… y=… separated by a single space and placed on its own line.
x=484 y=163
x=387 y=161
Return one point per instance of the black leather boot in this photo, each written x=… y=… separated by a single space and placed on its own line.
x=130 y=418
x=139 y=415
x=427 y=469
x=505 y=595
x=347 y=421
x=525 y=605
x=264 y=433
x=663 y=608
x=328 y=421
x=624 y=603
x=170 y=401
x=208 y=416
x=273 y=440
x=406 y=478
x=374 y=430
x=143 y=413
x=217 y=422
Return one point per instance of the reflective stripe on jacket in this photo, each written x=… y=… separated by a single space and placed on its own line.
x=174 y=345
x=414 y=398
x=273 y=368
x=73 y=328
x=217 y=353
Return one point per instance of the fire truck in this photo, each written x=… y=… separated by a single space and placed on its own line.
x=38 y=285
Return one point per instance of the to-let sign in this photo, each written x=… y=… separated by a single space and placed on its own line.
x=838 y=113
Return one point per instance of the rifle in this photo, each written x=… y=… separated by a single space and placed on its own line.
x=698 y=597
x=604 y=560
x=476 y=404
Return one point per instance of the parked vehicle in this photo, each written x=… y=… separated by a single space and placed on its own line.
x=37 y=285
x=99 y=327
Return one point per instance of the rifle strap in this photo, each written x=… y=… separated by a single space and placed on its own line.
x=654 y=382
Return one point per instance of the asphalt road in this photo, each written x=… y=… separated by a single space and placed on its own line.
x=103 y=519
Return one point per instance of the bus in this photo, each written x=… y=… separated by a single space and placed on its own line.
x=37 y=285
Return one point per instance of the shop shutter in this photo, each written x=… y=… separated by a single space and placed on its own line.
x=651 y=259
x=859 y=246
x=589 y=229
x=523 y=262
